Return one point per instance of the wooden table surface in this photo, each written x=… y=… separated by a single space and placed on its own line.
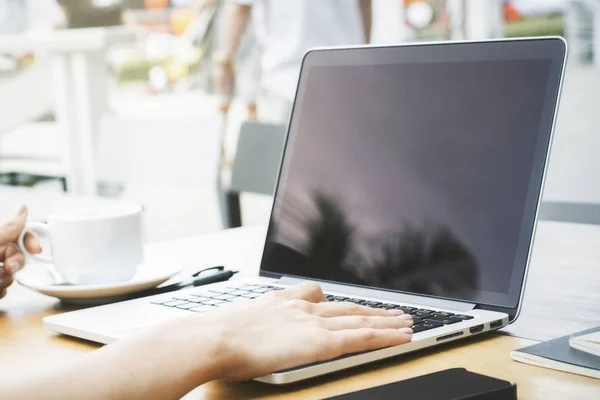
x=564 y=285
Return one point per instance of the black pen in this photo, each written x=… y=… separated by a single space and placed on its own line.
x=221 y=276
x=205 y=280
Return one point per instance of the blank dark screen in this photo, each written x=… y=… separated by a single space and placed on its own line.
x=409 y=177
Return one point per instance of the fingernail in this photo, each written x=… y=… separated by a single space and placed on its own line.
x=406 y=316
x=406 y=331
x=14 y=266
x=397 y=312
x=22 y=209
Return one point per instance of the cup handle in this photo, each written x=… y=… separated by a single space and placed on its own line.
x=34 y=226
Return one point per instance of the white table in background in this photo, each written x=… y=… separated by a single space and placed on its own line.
x=79 y=75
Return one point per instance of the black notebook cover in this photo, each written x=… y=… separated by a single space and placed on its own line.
x=451 y=384
x=560 y=351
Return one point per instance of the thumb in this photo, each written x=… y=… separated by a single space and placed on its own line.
x=10 y=231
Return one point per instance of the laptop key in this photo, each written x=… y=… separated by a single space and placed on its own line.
x=223 y=297
x=203 y=293
x=420 y=314
x=212 y=302
x=197 y=300
x=186 y=306
x=406 y=309
x=463 y=317
x=185 y=297
x=248 y=286
x=233 y=300
x=425 y=326
x=252 y=295
x=240 y=292
x=444 y=313
x=174 y=303
x=223 y=290
x=262 y=290
x=371 y=303
x=444 y=320
x=338 y=298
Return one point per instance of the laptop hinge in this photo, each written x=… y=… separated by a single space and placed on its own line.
x=389 y=296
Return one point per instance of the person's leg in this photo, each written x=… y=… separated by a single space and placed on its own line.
x=248 y=73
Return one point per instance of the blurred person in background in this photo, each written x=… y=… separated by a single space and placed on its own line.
x=247 y=57
x=285 y=30
x=93 y=13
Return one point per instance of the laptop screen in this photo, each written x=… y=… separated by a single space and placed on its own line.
x=416 y=169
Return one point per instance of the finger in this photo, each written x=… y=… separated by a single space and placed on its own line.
x=357 y=322
x=365 y=339
x=15 y=263
x=335 y=309
x=6 y=281
x=2 y=293
x=10 y=250
x=309 y=291
x=32 y=243
x=10 y=231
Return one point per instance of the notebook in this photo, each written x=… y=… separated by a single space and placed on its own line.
x=558 y=354
x=589 y=343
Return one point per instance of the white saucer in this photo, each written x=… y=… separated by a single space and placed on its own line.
x=150 y=274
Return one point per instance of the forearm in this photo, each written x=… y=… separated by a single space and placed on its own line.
x=237 y=17
x=162 y=364
x=366 y=12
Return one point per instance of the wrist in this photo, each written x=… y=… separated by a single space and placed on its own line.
x=186 y=350
x=200 y=353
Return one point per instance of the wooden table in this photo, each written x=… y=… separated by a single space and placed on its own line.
x=23 y=341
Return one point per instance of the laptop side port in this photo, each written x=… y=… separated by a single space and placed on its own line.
x=476 y=329
x=496 y=324
x=450 y=336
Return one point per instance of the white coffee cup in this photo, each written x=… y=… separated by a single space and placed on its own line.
x=95 y=247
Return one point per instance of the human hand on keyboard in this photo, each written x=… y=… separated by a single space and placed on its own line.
x=242 y=340
x=292 y=327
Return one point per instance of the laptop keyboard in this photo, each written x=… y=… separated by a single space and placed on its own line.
x=208 y=300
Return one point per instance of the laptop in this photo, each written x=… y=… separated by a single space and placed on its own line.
x=411 y=179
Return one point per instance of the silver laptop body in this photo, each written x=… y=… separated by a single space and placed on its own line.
x=461 y=131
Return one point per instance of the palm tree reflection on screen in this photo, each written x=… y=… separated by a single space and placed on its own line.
x=330 y=240
x=425 y=258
